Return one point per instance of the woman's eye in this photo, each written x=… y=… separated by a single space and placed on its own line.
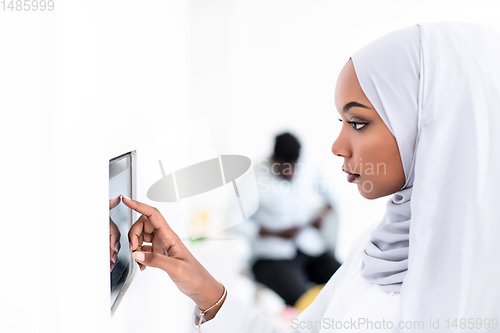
x=355 y=125
x=358 y=126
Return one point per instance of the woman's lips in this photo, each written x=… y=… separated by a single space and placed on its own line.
x=351 y=177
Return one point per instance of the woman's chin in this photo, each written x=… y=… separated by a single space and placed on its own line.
x=367 y=190
x=367 y=195
x=373 y=194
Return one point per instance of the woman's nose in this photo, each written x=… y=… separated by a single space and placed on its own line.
x=340 y=147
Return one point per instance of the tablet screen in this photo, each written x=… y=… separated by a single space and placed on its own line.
x=120 y=220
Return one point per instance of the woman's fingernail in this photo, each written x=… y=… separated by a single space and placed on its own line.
x=116 y=249
x=113 y=259
x=139 y=256
x=125 y=197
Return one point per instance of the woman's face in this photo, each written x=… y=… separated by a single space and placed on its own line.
x=370 y=151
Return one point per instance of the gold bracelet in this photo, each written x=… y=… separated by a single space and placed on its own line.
x=213 y=306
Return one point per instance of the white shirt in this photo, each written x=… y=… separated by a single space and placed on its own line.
x=285 y=204
x=347 y=300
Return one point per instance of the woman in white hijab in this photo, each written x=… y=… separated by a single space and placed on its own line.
x=420 y=112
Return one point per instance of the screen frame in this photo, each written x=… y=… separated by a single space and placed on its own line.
x=132 y=266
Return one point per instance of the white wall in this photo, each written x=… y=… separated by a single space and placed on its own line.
x=92 y=79
x=76 y=85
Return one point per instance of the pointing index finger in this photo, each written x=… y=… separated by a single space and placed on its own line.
x=152 y=213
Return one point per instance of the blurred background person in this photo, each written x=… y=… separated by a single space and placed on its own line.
x=289 y=253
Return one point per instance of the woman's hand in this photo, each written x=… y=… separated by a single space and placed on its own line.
x=168 y=253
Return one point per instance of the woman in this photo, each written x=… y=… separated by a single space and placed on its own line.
x=420 y=112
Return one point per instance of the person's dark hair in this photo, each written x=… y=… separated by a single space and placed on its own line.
x=286 y=148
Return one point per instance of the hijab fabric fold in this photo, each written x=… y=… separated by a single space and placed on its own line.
x=388 y=71
x=385 y=260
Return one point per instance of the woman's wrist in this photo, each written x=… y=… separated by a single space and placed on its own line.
x=210 y=295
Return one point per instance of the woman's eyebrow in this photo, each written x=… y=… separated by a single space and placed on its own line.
x=353 y=104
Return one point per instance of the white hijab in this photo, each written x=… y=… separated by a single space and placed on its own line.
x=437 y=88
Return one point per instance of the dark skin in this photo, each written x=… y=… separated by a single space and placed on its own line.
x=283 y=169
x=365 y=140
x=169 y=253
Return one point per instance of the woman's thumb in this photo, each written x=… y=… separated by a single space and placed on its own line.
x=153 y=259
